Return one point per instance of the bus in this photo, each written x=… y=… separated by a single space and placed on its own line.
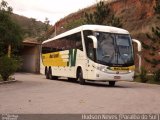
x=90 y=53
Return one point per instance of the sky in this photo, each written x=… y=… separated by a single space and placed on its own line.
x=54 y=10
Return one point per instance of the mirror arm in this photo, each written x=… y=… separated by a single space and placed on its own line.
x=139 y=44
x=94 y=40
x=139 y=54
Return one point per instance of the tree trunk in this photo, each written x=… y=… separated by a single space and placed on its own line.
x=9 y=50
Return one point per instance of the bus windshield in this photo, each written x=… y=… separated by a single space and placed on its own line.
x=114 y=49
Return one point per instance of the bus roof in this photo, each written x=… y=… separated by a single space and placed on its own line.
x=101 y=28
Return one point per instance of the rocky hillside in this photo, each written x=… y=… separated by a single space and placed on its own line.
x=137 y=16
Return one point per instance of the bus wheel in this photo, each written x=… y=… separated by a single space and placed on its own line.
x=71 y=79
x=47 y=73
x=50 y=74
x=54 y=78
x=80 y=77
x=112 y=83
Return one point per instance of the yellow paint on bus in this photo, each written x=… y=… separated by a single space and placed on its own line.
x=55 y=59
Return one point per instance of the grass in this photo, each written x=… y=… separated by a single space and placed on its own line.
x=150 y=80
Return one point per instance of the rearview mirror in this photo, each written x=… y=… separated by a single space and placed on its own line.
x=94 y=40
x=138 y=44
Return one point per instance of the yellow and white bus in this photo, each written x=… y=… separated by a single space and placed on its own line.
x=90 y=52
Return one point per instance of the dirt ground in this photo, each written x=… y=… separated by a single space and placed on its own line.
x=35 y=94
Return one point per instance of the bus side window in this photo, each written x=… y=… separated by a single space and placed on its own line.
x=78 y=41
x=79 y=45
x=46 y=48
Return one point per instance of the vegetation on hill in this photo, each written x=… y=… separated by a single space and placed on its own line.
x=10 y=32
x=154 y=41
x=31 y=27
x=99 y=15
x=102 y=15
x=152 y=46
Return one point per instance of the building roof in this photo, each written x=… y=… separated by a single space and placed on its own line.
x=32 y=41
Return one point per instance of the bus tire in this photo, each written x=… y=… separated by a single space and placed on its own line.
x=47 y=73
x=50 y=74
x=71 y=79
x=112 y=83
x=54 y=77
x=80 y=77
x=51 y=77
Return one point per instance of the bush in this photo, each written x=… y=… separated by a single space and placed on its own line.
x=143 y=75
x=156 y=76
x=8 y=66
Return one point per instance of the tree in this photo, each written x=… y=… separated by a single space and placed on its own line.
x=10 y=38
x=99 y=16
x=46 y=22
x=10 y=32
x=115 y=21
x=102 y=16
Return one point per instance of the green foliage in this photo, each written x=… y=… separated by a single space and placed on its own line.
x=99 y=16
x=115 y=21
x=46 y=22
x=156 y=76
x=89 y=18
x=152 y=61
x=101 y=12
x=145 y=46
x=102 y=16
x=5 y=8
x=31 y=27
x=157 y=7
x=8 y=67
x=74 y=23
x=10 y=31
x=155 y=62
x=143 y=75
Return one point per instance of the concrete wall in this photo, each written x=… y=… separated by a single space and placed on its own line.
x=31 y=58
